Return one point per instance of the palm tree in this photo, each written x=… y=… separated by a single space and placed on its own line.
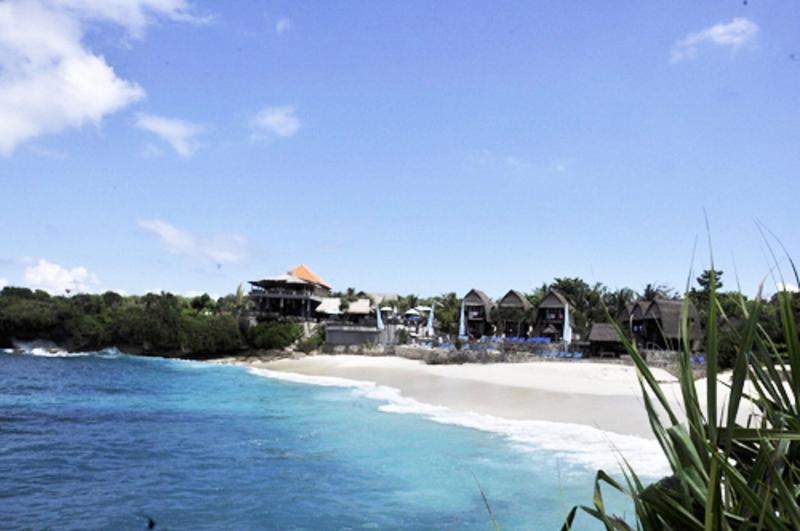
x=658 y=291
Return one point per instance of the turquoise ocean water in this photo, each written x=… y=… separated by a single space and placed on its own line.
x=103 y=440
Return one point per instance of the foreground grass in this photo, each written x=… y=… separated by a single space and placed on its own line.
x=725 y=475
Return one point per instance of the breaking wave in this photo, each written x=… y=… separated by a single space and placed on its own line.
x=573 y=443
x=47 y=349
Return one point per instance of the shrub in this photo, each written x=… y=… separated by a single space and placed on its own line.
x=403 y=337
x=209 y=334
x=273 y=336
x=312 y=343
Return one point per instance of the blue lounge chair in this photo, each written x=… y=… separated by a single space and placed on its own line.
x=568 y=354
x=578 y=355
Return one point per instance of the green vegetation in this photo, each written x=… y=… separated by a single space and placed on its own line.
x=273 y=335
x=150 y=324
x=312 y=343
x=725 y=474
x=403 y=337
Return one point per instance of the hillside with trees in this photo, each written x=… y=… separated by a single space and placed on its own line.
x=156 y=324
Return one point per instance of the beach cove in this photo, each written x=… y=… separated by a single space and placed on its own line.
x=588 y=412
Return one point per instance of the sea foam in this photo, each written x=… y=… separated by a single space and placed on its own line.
x=49 y=350
x=572 y=443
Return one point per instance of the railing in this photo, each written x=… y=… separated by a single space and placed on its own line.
x=286 y=293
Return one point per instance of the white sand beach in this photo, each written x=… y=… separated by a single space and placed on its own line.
x=586 y=412
x=601 y=395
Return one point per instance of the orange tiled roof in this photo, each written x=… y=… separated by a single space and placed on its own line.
x=304 y=273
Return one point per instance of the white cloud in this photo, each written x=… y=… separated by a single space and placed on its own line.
x=3 y=283
x=49 y=80
x=734 y=35
x=133 y=15
x=179 y=134
x=58 y=280
x=218 y=248
x=275 y=121
x=283 y=25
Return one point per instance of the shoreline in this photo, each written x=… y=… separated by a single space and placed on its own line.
x=602 y=396
x=592 y=426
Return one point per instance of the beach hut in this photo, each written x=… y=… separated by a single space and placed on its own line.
x=477 y=312
x=604 y=340
x=550 y=316
x=514 y=314
x=656 y=324
x=662 y=325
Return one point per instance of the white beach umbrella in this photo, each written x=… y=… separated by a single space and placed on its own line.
x=429 y=328
x=462 y=332
x=379 y=317
x=567 y=335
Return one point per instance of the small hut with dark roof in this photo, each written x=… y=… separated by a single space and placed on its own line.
x=657 y=323
x=604 y=340
x=514 y=314
x=550 y=316
x=477 y=313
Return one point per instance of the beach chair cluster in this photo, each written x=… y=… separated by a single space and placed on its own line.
x=559 y=355
x=697 y=359
x=501 y=339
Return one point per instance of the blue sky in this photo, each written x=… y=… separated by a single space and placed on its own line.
x=409 y=146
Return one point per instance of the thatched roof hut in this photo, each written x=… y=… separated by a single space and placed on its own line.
x=627 y=312
x=604 y=333
x=515 y=300
x=550 y=315
x=553 y=299
x=477 y=298
x=658 y=322
x=668 y=313
x=478 y=313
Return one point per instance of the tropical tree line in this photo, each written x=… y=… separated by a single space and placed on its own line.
x=163 y=323
x=203 y=326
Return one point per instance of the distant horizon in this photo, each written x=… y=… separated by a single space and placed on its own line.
x=189 y=146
